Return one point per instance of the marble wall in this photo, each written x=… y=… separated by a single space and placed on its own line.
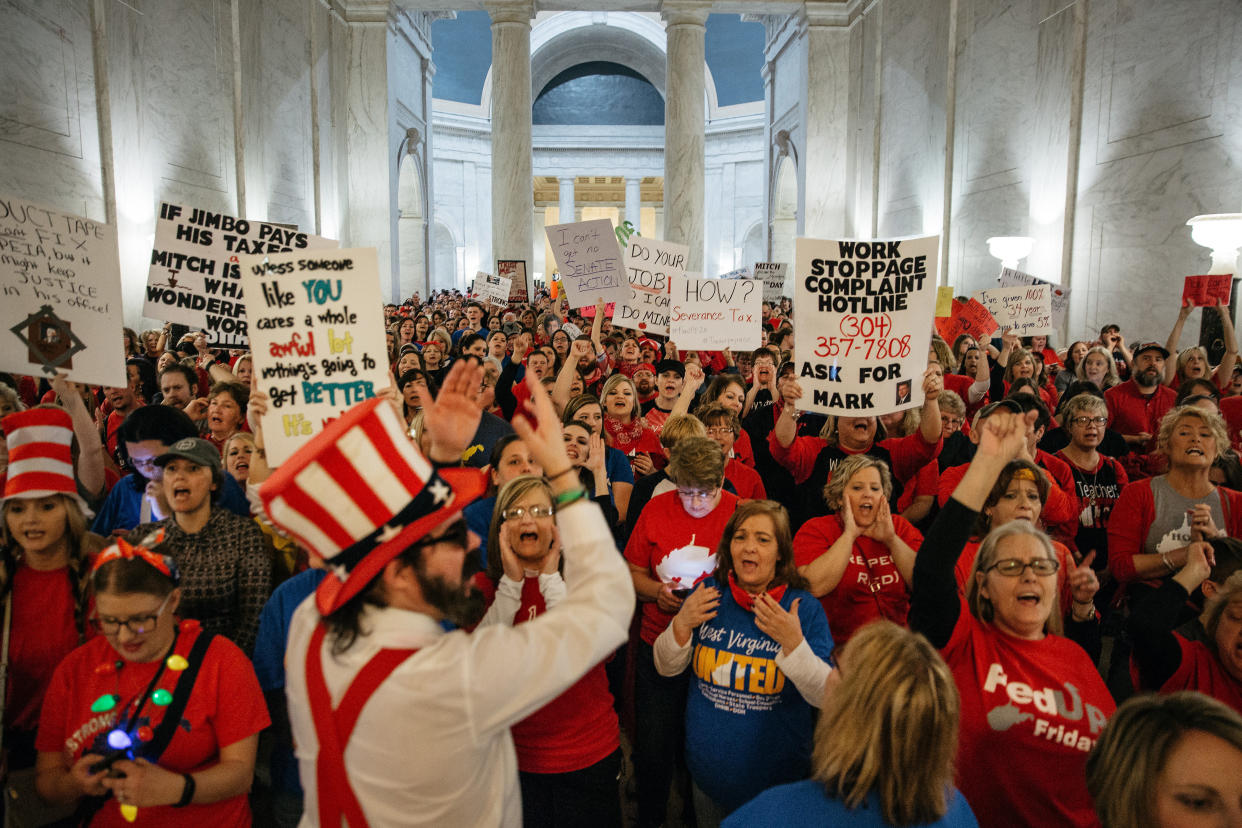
x=1095 y=127
x=268 y=109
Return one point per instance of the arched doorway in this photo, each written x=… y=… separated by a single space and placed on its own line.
x=785 y=211
x=445 y=253
x=411 y=231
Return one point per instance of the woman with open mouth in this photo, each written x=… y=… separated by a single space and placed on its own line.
x=226 y=411
x=760 y=647
x=238 y=450
x=858 y=561
x=1032 y=701
x=225 y=562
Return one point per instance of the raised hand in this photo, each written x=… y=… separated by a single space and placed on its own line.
x=882 y=528
x=453 y=416
x=545 y=438
x=933 y=384
x=1082 y=580
x=701 y=605
x=781 y=625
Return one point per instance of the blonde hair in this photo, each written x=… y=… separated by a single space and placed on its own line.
x=611 y=383
x=1133 y=749
x=834 y=489
x=1110 y=379
x=944 y=354
x=1214 y=424
x=1016 y=356
x=980 y=606
x=1184 y=356
x=952 y=402
x=890 y=726
x=510 y=493
x=1082 y=403
x=678 y=427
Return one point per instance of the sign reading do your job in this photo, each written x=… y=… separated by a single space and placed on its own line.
x=866 y=310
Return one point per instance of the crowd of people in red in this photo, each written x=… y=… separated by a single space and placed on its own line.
x=955 y=614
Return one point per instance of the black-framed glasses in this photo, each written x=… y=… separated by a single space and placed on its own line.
x=1086 y=421
x=519 y=512
x=136 y=624
x=1012 y=567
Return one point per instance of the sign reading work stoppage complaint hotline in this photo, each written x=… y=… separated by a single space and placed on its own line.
x=317 y=335
x=865 y=311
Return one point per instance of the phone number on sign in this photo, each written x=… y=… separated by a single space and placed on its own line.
x=880 y=348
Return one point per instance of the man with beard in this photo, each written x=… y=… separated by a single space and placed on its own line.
x=1136 y=406
x=397 y=722
x=645 y=382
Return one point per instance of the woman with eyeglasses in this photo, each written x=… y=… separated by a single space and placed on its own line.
x=1032 y=702
x=569 y=750
x=103 y=737
x=1098 y=480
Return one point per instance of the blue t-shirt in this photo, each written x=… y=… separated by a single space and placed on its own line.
x=617 y=466
x=807 y=805
x=123 y=507
x=747 y=726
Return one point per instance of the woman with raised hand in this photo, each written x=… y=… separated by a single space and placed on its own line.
x=1032 y=701
x=758 y=648
x=884 y=744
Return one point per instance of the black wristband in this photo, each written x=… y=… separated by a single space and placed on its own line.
x=187 y=795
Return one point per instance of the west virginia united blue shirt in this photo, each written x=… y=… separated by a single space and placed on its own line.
x=747 y=726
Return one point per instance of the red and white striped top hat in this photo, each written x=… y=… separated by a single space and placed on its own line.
x=359 y=493
x=40 y=444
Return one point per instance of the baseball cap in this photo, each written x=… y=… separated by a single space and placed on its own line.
x=1150 y=346
x=195 y=449
x=1006 y=404
x=670 y=365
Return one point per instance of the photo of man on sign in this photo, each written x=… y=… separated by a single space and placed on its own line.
x=870 y=307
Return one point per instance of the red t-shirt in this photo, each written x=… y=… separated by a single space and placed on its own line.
x=576 y=729
x=1231 y=410
x=871 y=587
x=225 y=707
x=746 y=481
x=43 y=633
x=926 y=484
x=1202 y=671
x=667 y=540
x=966 y=562
x=1131 y=412
x=1031 y=712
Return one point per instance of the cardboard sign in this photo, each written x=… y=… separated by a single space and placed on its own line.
x=864 y=309
x=1024 y=310
x=740 y=273
x=492 y=290
x=589 y=260
x=61 y=283
x=970 y=318
x=1207 y=290
x=944 y=301
x=1060 y=295
x=515 y=271
x=195 y=276
x=714 y=314
x=317 y=335
x=650 y=266
x=773 y=276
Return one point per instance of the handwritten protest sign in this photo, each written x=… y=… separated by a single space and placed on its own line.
x=649 y=266
x=773 y=276
x=317 y=336
x=589 y=260
x=492 y=290
x=969 y=318
x=61 y=285
x=515 y=271
x=1060 y=295
x=864 y=309
x=714 y=314
x=1024 y=310
x=944 y=301
x=195 y=277
x=1207 y=290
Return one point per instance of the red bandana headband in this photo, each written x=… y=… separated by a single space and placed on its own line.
x=122 y=549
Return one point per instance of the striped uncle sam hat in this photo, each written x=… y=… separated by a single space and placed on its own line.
x=40 y=444
x=359 y=494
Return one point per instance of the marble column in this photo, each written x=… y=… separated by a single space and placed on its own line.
x=633 y=201
x=684 y=122
x=566 y=201
x=512 y=178
x=827 y=119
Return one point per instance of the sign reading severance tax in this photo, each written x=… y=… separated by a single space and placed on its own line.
x=317 y=337
x=865 y=311
x=195 y=278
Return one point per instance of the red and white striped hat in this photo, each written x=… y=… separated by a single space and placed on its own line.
x=40 y=444
x=360 y=493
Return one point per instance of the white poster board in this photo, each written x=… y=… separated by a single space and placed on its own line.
x=60 y=279
x=864 y=311
x=650 y=265
x=1060 y=295
x=1025 y=310
x=714 y=314
x=740 y=273
x=492 y=290
x=589 y=260
x=773 y=276
x=317 y=335
x=195 y=277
